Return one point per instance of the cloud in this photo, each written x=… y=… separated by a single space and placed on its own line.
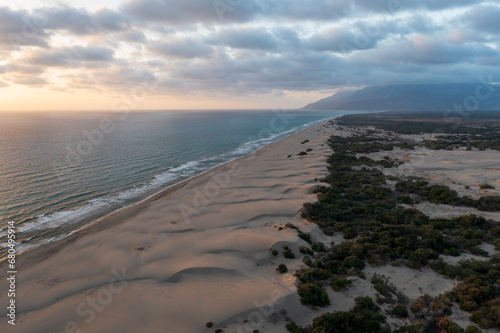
x=80 y=22
x=28 y=80
x=182 y=48
x=18 y=28
x=75 y=56
x=223 y=11
x=110 y=20
x=425 y=50
x=192 y=11
x=484 y=18
x=133 y=36
x=246 y=38
x=23 y=69
x=74 y=20
x=245 y=47
x=341 y=40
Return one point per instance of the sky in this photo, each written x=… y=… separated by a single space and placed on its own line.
x=227 y=54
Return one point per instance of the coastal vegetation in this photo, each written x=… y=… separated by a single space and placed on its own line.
x=357 y=201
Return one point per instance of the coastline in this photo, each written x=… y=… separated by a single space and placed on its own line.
x=153 y=196
x=49 y=254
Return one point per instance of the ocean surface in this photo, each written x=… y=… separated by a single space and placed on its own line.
x=60 y=171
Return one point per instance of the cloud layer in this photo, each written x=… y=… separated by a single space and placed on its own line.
x=245 y=47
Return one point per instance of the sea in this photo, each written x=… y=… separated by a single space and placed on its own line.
x=60 y=171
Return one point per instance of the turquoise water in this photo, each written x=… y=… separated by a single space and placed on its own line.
x=59 y=171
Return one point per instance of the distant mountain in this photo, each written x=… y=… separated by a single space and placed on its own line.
x=413 y=97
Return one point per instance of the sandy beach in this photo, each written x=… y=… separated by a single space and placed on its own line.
x=200 y=253
x=196 y=253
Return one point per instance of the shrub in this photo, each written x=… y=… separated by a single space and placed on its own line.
x=364 y=317
x=405 y=199
x=287 y=253
x=305 y=250
x=304 y=275
x=400 y=311
x=486 y=187
x=303 y=142
x=311 y=293
x=305 y=237
x=309 y=149
x=293 y=327
x=307 y=260
x=472 y=329
x=321 y=274
x=319 y=247
x=302 y=153
x=350 y=233
x=282 y=268
x=274 y=252
x=340 y=283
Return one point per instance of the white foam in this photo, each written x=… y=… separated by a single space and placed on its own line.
x=183 y=171
x=56 y=219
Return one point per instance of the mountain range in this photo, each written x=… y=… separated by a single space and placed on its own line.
x=415 y=97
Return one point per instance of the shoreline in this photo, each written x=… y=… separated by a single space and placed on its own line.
x=154 y=196
x=224 y=245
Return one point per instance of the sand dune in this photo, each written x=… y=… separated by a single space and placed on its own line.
x=201 y=251
x=197 y=253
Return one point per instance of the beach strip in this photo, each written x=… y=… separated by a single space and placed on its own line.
x=196 y=253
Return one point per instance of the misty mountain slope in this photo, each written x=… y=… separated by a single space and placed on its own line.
x=414 y=97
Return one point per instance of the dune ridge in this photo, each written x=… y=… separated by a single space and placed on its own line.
x=196 y=253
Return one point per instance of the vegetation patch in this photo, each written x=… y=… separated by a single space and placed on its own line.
x=359 y=203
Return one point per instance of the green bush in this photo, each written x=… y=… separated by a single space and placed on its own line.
x=400 y=311
x=287 y=253
x=350 y=233
x=311 y=293
x=340 y=283
x=293 y=327
x=282 y=268
x=405 y=199
x=364 y=317
x=319 y=247
x=305 y=237
x=472 y=329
